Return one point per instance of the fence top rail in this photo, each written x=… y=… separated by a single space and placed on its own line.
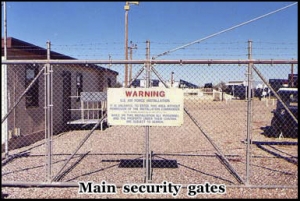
x=211 y=61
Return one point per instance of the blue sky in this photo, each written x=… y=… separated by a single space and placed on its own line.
x=95 y=30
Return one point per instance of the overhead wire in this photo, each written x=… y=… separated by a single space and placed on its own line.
x=223 y=31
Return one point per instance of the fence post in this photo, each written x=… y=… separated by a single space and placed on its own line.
x=249 y=112
x=48 y=114
x=4 y=126
x=147 y=143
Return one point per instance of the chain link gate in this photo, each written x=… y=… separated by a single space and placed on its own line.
x=223 y=139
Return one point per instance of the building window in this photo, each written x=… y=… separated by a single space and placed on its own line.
x=32 y=95
x=78 y=85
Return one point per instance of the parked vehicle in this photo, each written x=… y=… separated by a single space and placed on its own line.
x=282 y=122
x=276 y=84
x=291 y=82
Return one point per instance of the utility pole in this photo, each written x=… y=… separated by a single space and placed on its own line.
x=132 y=46
x=126 y=8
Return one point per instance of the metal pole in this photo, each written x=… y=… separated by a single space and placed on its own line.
x=148 y=65
x=249 y=113
x=292 y=75
x=147 y=143
x=126 y=43
x=5 y=30
x=130 y=67
x=181 y=62
x=5 y=77
x=49 y=114
x=133 y=46
x=46 y=115
x=126 y=8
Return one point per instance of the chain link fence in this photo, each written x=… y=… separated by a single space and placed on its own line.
x=55 y=121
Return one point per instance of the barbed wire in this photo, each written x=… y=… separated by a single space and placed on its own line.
x=115 y=50
x=121 y=44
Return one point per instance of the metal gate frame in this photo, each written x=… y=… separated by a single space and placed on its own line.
x=148 y=65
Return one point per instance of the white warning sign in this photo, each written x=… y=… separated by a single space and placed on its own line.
x=145 y=106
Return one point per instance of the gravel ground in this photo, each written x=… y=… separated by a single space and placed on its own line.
x=185 y=155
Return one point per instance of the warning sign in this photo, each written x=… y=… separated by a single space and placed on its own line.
x=145 y=107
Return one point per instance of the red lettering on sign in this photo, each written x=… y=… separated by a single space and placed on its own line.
x=145 y=94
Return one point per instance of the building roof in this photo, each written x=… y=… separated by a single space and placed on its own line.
x=15 y=46
x=13 y=43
